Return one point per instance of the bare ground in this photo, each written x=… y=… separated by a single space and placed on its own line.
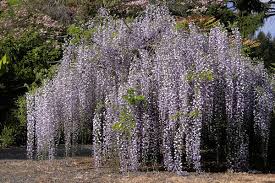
x=81 y=169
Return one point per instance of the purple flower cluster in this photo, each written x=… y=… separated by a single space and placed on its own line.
x=195 y=85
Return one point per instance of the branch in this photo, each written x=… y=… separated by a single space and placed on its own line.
x=270 y=14
x=271 y=9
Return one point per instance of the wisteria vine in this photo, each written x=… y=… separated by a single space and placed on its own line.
x=153 y=94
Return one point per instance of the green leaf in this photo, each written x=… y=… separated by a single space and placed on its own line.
x=194 y=114
x=181 y=25
x=176 y=116
x=126 y=122
x=206 y=75
x=117 y=126
x=3 y=64
x=272 y=66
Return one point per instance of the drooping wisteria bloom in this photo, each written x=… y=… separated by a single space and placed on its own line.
x=151 y=94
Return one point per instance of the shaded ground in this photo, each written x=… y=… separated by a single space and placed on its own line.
x=19 y=153
x=80 y=169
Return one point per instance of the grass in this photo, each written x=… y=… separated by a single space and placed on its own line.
x=81 y=169
x=14 y=2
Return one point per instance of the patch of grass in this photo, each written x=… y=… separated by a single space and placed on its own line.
x=14 y=2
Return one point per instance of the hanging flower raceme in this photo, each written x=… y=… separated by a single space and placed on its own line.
x=151 y=94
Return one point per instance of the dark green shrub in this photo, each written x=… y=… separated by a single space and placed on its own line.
x=7 y=137
x=29 y=59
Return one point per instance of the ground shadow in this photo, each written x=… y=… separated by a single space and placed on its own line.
x=20 y=153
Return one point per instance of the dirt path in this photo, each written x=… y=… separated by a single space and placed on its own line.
x=81 y=170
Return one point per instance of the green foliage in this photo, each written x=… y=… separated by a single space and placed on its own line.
x=250 y=6
x=248 y=24
x=272 y=68
x=7 y=137
x=16 y=124
x=194 y=114
x=249 y=46
x=132 y=98
x=30 y=55
x=35 y=64
x=246 y=21
x=205 y=75
x=14 y=2
x=182 y=25
x=176 y=116
x=21 y=110
x=3 y=64
x=248 y=18
x=223 y=14
x=178 y=7
x=265 y=51
x=26 y=61
x=190 y=76
x=126 y=122
x=78 y=33
x=211 y=23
